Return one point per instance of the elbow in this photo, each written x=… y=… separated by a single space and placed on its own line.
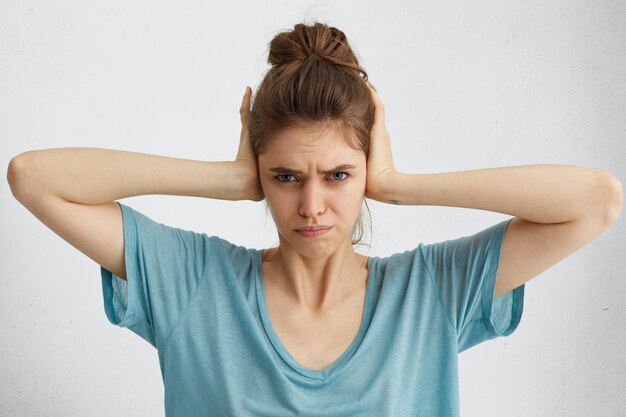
x=16 y=174
x=615 y=197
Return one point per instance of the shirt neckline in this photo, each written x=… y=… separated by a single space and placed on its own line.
x=325 y=373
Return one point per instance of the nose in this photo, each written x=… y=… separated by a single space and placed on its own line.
x=312 y=201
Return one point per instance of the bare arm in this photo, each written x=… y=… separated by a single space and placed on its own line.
x=72 y=190
x=96 y=176
x=558 y=208
x=541 y=193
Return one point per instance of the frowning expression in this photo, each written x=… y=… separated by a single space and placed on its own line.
x=311 y=177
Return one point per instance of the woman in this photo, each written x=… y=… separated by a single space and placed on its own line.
x=311 y=327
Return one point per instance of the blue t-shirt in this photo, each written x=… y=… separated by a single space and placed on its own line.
x=200 y=301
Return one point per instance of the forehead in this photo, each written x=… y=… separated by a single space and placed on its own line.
x=311 y=144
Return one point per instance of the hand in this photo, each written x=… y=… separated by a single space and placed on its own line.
x=245 y=155
x=380 y=169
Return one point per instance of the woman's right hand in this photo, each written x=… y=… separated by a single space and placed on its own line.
x=245 y=155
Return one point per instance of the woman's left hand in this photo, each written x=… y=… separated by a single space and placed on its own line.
x=380 y=169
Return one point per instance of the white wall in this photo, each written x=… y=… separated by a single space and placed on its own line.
x=466 y=85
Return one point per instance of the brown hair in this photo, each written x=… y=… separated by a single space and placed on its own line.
x=315 y=80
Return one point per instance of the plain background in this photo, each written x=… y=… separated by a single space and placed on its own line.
x=466 y=85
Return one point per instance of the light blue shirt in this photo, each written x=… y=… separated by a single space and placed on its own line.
x=200 y=301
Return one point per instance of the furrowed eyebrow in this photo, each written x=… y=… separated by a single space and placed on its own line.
x=295 y=171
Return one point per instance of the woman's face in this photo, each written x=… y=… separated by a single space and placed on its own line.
x=307 y=180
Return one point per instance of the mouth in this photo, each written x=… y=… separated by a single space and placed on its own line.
x=313 y=228
x=314 y=231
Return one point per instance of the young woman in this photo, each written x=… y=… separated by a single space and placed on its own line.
x=311 y=327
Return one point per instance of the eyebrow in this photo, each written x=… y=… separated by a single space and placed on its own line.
x=295 y=171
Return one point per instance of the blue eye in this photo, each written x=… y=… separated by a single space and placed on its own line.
x=281 y=177
x=344 y=173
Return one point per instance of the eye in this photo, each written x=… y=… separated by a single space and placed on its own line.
x=345 y=173
x=281 y=177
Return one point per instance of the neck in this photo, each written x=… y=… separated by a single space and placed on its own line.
x=318 y=284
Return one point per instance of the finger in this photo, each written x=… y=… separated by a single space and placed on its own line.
x=245 y=104
x=244 y=111
x=377 y=101
x=379 y=111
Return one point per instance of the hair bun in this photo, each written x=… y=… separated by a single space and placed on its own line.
x=319 y=42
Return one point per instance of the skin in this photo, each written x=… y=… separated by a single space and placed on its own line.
x=558 y=208
x=322 y=274
x=315 y=287
x=316 y=273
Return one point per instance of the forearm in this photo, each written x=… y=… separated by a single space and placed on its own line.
x=95 y=176
x=542 y=193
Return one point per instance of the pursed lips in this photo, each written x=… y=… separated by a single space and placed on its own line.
x=313 y=228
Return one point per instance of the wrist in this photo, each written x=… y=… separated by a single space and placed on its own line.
x=385 y=189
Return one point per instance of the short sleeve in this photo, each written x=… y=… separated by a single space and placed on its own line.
x=164 y=268
x=464 y=272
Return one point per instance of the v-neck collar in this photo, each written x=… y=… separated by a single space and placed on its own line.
x=325 y=373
